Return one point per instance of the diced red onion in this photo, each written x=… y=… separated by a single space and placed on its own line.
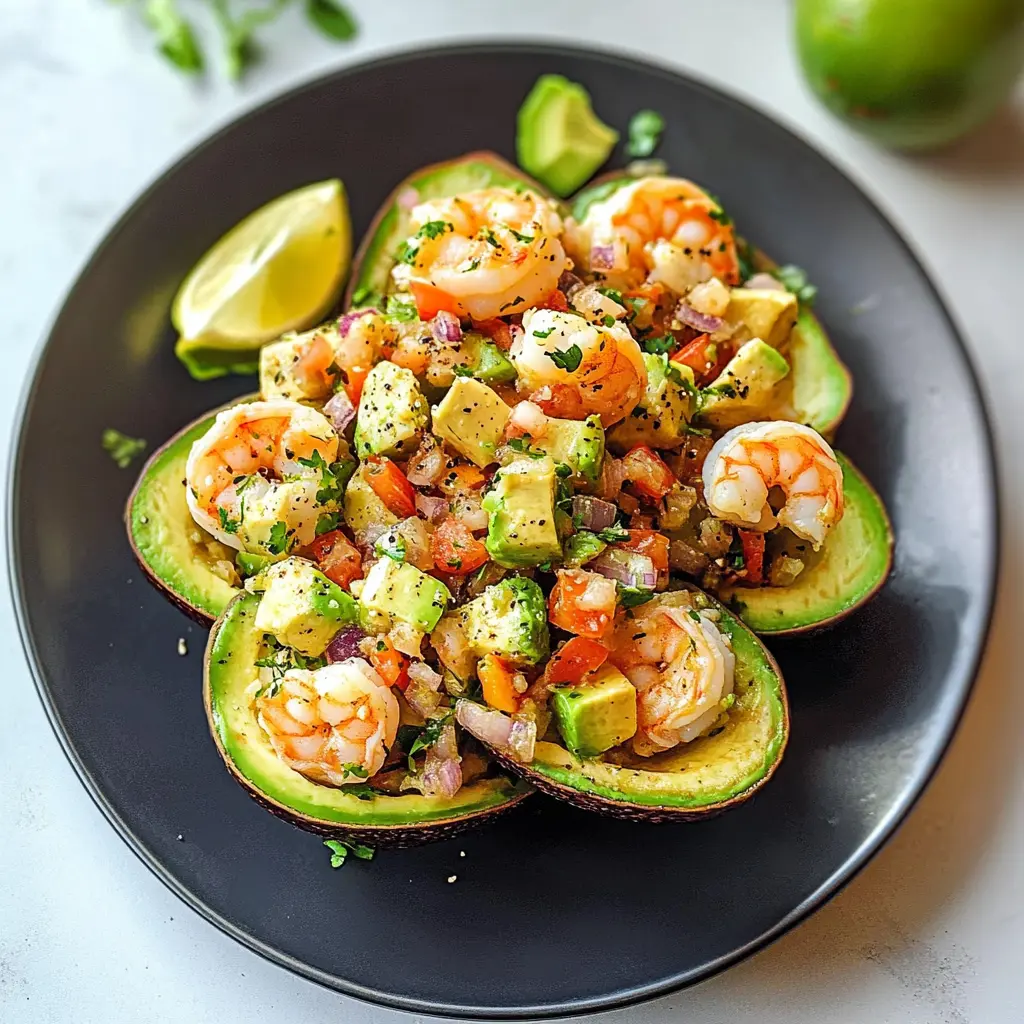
x=699 y=321
x=421 y=697
x=425 y=467
x=345 y=644
x=625 y=567
x=593 y=513
x=421 y=672
x=346 y=320
x=522 y=739
x=488 y=725
x=366 y=540
x=602 y=257
x=434 y=509
x=613 y=476
x=416 y=535
x=447 y=744
x=765 y=282
x=441 y=777
x=340 y=411
x=445 y=327
x=408 y=198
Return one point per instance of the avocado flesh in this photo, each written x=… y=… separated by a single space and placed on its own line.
x=230 y=656
x=371 y=272
x=173 y=550
x=853 y=563
x=818 y=387
x=705 y=775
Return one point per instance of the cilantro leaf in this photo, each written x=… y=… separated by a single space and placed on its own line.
x=568 y=360
x=121 y=448
x=543 y=334
x=631 y=597
x=340 y=851
x=328 y=521
x=659 y=346
x=227 y=524
x=794 y=279
x=428 y=737
x=645 y=128
x=406 y=312
x=278 y=542
x=332 y=18
x=614 y=294
x=174 y=36
x=613 y=534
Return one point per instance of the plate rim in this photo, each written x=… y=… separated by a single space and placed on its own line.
x=852 y=865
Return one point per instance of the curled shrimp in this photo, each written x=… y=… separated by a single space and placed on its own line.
x=493 y=252
x=749 y=460
x=250 y=471
x=681 y=665
x=334 y=725
x=664 y=230
x=610 y=376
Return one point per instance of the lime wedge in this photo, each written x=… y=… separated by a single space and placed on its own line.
x=279 y=270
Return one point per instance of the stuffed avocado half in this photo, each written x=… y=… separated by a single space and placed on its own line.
x=696 y=735
x=312 y=731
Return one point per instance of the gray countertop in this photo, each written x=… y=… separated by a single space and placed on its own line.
x=929 y=933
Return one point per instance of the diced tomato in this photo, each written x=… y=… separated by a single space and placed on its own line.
x=705 y=357
x=647 y=473
x=455 y=549
x=574 y=659
x=497 y=331
x=496 y=680
x=338 y=559
x=391 y=666
x=560 y=401
x=556 y=300
x=391 y=486
x=315 y=365
x=431 y=300
x=753 y=555
x=460 y=479
x=355 y=378
x=650 y=543
x=582 y=603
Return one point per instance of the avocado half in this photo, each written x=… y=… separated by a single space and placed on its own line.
x=375 y=258
x=854 y=562
x=818 y=388
x=694 y=780
x=408 y=819
x=176 y=554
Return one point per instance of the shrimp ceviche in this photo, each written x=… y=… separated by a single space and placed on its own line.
x=509 y=509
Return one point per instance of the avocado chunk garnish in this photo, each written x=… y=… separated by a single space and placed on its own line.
x=470 y=419
x=744 y=389
x=578 y=444
x=595 y=714
x=509 y=619
x=401 y=591
x=392 y=412
x=662 y=418
x=361 y=812
x=522 y=529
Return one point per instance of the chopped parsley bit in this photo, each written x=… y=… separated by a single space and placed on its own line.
x=472 y=266
x=227 y=524
x=340 y=851
x=721 y=216
x=631 y=597
x=362 y=790
x=491 y=240
x=434 y=229
x=794 y=279
x=543 y=334
x=608 y=320
x=428 y=737
x=357 y=770
x=462 y=371
x=327 y=522
x=381 y=645
x=563 y=470
x=694 y=614
x=391 y=545
x=613 y=534
x=522 y=445
x=645 y=128
x=659 y=346
x=614 y=294
x=405 y=312
x=522 y=238
x=122 y=448
x=568 y=360
x=278 y=542
x=544 y=567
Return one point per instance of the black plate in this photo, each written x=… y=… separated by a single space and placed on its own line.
x=553 y=911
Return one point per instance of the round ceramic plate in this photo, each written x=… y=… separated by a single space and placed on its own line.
x=553 y=911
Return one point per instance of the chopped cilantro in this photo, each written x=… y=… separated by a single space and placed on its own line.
x=340 y=851
x=328 y=521
x=631 y=597
x=614 y=294
x=122 y=448
x=543 y=334
x=694 y=614
x=522 y=238
x=522 y=445
x=608 y=320
x=462 y=371
x=434 y=229
x=659 y=346
x=278 y=542
x=428 y=737
x=645 y=128
x=794 y=279
x=568 y=360
x=613 y=534
x=406 y=312
x=227 y=524
x=356 y=770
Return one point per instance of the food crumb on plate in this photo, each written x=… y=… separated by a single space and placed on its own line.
x=182 y=646
x=451 y=878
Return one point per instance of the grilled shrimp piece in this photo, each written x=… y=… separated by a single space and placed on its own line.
x=492 y=252
x=681 y=665
x=660 y=229
x=246 y=474
x=610 y=376
x=334 y=725
x=749 y=460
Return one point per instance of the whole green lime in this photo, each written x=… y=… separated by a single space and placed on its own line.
x=911 y=73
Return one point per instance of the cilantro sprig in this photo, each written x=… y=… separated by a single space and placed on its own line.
x=340 y=851
x=122 y=448
x=569 y=360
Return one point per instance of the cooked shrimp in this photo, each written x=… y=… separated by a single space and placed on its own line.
x=246 y=474
x=665 y=230
x=334 y=725
x=610 y=376
x=681 y=665
x=493 y=252
x=749 y=460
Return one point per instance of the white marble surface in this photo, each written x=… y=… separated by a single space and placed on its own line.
x=929 y=933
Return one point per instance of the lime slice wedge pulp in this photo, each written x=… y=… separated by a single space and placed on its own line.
x=278 y=270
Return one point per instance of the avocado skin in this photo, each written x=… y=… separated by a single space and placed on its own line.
x=204 y=614
x=390 y=835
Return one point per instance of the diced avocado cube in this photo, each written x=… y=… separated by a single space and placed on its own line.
x=559 y=138
x=745 y=385
x=392 y=412
x=596 y=714
x=470 y=419
x=484 y=360
x=279 y=363
x=272 y=520
x=521 y=526
x=250 y=564
x=302 y=608
x=362 y=506
x=762 y=313
x=509 y=619
x=578 y=444
x=661 y=417
x=405 y=593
